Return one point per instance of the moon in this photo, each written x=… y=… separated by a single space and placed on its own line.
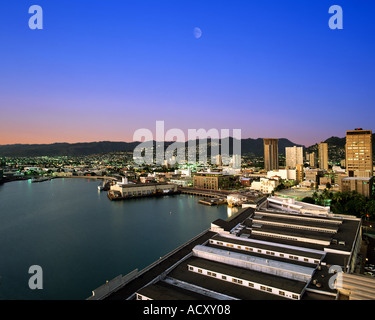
x=197 y=32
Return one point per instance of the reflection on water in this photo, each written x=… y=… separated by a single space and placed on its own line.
x=81 y=239
x=231 y=211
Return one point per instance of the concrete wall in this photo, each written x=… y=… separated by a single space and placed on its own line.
x=112 y=285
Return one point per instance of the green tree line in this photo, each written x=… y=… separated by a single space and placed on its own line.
x=351 y=203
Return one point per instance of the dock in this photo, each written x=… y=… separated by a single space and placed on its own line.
x=213 y=201
x=204 y=193
x=211 y=197
x=139 y=279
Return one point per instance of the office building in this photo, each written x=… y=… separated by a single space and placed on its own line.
x=323 y=156
x=213 y=181
x=361 y=185
x=293 y=156
x=359 y=153
x=271 y=154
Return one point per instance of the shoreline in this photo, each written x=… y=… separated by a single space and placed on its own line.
x=13 y=179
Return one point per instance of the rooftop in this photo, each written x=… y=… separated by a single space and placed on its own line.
x=165 y=291
x=271 y=246
x=358 y=178
x=251 y=261
x=305 y=272
x=249 y=275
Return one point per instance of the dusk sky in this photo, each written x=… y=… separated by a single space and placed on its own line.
x=100 y=70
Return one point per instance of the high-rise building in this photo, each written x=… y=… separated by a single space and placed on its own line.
x=359 y=153
x=310 y=157
x=271 y=154
x=236 y=161
x=294 y=156
x=323 y=156
x=299 y=173
x=218 y=160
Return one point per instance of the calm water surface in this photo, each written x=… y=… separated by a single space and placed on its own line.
x=81 y=239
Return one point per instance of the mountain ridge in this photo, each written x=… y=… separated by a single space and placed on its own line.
x=248 y=146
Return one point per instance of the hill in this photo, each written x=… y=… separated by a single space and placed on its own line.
x=248 y=146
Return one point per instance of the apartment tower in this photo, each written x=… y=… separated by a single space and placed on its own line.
x=271 y=154
x=323 y=156
x=310 y=157
x=294 y=156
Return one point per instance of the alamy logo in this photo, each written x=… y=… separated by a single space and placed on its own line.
x=335 y=21
x=36 y=20
x=36 y=280
x=334 y=281
x=144 y=152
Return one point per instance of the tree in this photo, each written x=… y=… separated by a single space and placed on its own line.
x=370 y=209
x=308 y=200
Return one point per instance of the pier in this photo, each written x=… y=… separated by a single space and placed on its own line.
x=124 y=288
x=213 y=201
x=204 y=193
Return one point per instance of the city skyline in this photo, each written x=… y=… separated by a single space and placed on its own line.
x=100 y=72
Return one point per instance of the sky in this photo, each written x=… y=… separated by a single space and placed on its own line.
x=100 y=70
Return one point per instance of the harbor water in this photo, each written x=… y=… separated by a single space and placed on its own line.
x=81 y=239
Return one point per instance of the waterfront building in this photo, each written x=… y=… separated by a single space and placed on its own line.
x=213 y=181
x=323 y=156
x=271 y=154
x=282 y=249
x=359 y=153
x=293 y=156
x=236 y=199
x=182 y=182
x=130 y=190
